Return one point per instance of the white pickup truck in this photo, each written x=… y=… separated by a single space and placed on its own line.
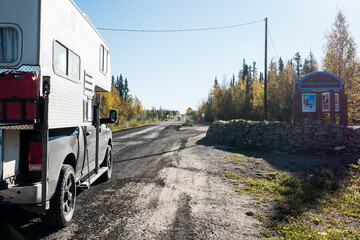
x=52 y=140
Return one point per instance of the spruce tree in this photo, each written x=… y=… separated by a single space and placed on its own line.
x=216 y=83
x=310 y=64
x=261 y=77
x=298 y=65
x=245 y=72
x=126 y=89
x=120 y=86
x=281 y=65
x=232 y=81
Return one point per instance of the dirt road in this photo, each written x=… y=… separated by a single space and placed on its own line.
x=165 y=185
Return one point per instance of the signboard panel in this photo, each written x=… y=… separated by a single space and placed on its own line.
x=326 y=102
x=189 y=111
x=141 y=116
x=320 y=81
x=337 y=106
x=309 y=102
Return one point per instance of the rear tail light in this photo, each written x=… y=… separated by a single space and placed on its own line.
x=35 y=156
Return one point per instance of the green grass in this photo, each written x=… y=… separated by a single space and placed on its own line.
x=310 y=207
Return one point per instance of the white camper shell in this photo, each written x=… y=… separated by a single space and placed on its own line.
x=54 y=38
x=52 y=140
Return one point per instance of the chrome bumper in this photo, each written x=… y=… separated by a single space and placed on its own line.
x=21 y=195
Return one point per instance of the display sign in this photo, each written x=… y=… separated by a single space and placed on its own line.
x=141 y=116
x=325 y=102
x=189 y=111
x=320 y=96
x=309 y=102
x=337 y=106
x=320 y=81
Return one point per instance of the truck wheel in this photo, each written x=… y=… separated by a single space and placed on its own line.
x=62 y=204
x=107 y=163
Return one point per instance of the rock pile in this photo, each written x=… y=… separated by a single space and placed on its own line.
x=316 y=137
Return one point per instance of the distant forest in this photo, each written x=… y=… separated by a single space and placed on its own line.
x=243 y=96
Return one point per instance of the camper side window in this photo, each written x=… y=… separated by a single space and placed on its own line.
x=9 y=44
x=66 y=62
x=104 y=55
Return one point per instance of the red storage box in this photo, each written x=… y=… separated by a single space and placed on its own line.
x=18 y=95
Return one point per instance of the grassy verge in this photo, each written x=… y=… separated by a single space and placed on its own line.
x=304 y=205
x=131 y=124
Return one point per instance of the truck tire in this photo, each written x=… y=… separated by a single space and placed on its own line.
x=107 y=163
x=62 y=204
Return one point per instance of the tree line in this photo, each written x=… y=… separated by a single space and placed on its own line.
x=118 y=98
x=243 y=96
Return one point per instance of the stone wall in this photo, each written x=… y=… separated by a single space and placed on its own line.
x=316 y=137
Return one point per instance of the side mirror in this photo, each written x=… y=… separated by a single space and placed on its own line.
x=113 y=116
x=111 y=119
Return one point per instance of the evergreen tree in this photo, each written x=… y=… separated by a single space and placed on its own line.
x=313 y=65
x=126 y=89
x=216 y=83
x=250 y=73
x=245 y=72
x=120 y=86
x=310 y=64
x=261 y=77
x=306 y=67
x=281 y=65
x=232 y=81
x=298 y=65
x=254 y=69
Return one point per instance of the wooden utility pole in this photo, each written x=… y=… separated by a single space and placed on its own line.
x=265 y=73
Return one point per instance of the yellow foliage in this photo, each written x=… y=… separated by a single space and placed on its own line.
x=127 y=108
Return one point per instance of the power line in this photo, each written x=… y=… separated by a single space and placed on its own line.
x=273 y=44
x=177 y=30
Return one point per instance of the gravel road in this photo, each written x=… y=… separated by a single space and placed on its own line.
x=165 y=185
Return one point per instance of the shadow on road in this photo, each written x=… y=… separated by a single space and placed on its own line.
x=18 y=224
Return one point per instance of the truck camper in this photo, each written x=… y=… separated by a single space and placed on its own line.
x=52 y=140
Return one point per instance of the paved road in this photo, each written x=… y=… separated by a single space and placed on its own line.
x=165 y=185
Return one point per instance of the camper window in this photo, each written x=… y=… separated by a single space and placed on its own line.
x=104 y=55
x=9 y=41
x=60 y=58
x=66 y=62
x=74 y=66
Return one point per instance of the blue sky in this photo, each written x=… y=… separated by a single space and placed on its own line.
x=177 y=70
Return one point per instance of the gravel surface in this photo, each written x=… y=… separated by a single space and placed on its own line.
x=165 y=185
